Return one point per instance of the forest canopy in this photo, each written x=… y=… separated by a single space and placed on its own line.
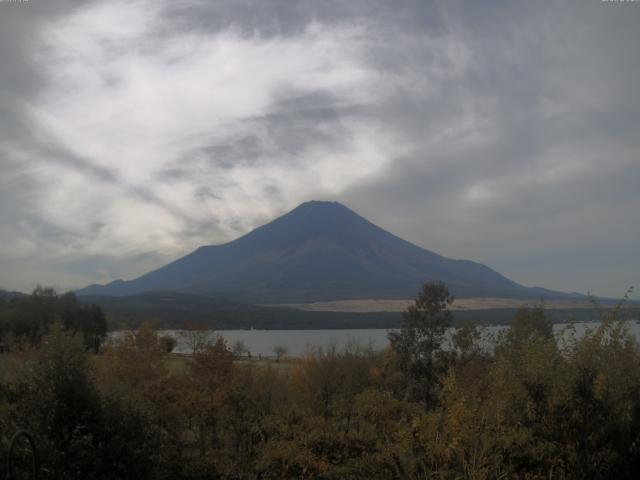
x=28 y=318
x=535 y=405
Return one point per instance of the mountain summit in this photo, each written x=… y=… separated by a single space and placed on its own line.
x=318 y=251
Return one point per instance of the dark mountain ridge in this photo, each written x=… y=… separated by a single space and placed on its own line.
x=178 y=310
x=10 y=295
x=319 y=251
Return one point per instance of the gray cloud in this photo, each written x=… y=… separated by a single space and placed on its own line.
x=504 y=132
x=549 y=184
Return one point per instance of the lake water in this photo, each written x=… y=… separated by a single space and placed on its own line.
x=299 y=342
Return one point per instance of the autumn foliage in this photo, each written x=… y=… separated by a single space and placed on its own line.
x=526 y=404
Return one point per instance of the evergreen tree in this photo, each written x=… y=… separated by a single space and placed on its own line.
x=418 y=343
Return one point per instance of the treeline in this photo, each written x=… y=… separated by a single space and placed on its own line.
x=169 y=310
x=531 y=406
x=27 y=318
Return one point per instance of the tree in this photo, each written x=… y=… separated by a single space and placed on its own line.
x=466 y=342
x=196 y=336
x=529 y=322
x=420 y=337
x=211 y=375
x=240 y=348
x=59 y=401
x=167 y=343
x=28 y=318
x=280 y=351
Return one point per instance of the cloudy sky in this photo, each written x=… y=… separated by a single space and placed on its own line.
x=505 y=132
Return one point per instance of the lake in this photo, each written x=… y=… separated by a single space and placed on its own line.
x=299 y=342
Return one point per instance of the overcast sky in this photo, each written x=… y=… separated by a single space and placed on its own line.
x=503 y=132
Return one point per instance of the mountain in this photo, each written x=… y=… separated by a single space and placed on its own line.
x=319 y=251
x=176 y=310
x=7 y=295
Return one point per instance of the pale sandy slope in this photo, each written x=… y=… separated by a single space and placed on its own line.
x=368 y=305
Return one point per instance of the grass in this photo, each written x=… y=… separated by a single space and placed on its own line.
x=461 y=304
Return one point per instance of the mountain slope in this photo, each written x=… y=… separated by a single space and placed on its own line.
x=8 y=295
x=318 y=251
x=176 y=310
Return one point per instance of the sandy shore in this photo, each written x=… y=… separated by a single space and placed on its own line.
x=368 y=305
